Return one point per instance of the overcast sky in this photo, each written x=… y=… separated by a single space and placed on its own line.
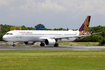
x=52 y=13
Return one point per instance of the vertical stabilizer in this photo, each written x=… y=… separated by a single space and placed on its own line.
x=85 y=25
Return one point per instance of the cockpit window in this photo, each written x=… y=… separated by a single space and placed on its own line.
x=9 y=34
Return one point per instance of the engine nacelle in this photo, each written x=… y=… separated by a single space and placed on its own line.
x=29 y=43
x=50 y=41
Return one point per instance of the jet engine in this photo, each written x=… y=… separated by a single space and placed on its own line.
x=29 y=43
x=50 y=41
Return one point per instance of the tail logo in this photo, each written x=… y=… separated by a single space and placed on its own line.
x=85 y=26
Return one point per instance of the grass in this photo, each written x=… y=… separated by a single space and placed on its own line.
x=52 y=60
x=78 y=43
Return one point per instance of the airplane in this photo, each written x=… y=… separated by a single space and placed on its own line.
x=47 y=37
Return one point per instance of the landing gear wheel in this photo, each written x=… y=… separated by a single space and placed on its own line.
x=42 y=44
x=13 y=45
x=56 y=45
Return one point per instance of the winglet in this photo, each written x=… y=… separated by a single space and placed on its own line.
x=85 y=25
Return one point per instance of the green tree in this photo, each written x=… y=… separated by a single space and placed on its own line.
x=103 y=32
x=97 y=28
x=1 y=35
x=102 y=42
x=24 y=28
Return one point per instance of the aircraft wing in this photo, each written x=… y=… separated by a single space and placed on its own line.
x=64 y=37
x=61 y=37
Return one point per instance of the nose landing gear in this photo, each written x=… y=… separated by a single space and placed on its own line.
x=13 y=44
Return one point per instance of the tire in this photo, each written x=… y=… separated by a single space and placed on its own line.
x=56 y=45
x=13 y=45
x=42 y=44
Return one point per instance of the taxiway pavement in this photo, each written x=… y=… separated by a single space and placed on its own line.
x=53 y=48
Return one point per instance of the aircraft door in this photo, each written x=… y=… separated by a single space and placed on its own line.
x=18 y=37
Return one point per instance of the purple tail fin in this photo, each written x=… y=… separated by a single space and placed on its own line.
x=85 y=25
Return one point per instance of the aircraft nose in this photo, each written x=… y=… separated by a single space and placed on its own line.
x=4 y=37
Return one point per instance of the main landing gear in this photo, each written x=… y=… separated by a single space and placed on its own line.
x=42 y=44
x=56 y=45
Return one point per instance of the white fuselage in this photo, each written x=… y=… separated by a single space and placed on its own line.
x=38 y=35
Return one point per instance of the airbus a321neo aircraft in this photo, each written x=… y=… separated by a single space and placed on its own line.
x=47 y=37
